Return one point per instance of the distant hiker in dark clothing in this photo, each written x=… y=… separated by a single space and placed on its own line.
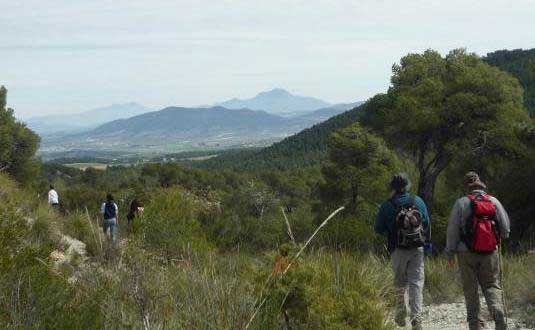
x=404 y=220
x=136 y=209
x=53 y=197
x=110 y=217
x=476 y=225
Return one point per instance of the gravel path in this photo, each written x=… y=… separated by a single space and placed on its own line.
x=453 y=317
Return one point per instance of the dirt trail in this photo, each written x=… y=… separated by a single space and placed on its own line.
x=453 y=317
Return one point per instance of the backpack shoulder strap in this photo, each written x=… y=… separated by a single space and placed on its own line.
x=394 y=204
x=478 y=195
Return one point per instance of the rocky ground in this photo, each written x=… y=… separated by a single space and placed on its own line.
x=453 y=317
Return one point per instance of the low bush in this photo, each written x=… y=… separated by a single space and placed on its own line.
x=170 y=225
x=330 y=291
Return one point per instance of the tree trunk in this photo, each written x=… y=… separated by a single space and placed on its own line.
x=426 y=188
x=354 y=196
x=428 y=178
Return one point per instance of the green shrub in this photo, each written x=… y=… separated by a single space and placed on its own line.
x=330 y=291
x=31 y=294
x=170 y=226
x=83 y=228
x=351 y=293
x=42 y=221
x=352 y=233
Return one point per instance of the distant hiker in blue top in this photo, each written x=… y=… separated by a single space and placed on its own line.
x=405 y=221
x=110 y=217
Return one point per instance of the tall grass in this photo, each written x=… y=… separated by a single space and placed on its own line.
x=519 y=286
x=442 y=283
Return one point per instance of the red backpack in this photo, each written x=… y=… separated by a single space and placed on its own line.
x=480 y=231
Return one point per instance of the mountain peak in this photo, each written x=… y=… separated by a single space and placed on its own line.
x=276 y=92
x=277 y=101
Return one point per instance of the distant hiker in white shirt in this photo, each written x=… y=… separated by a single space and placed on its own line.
x=110 y=217
x=53 y=197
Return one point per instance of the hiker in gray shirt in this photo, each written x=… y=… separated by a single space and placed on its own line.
x=477 y=223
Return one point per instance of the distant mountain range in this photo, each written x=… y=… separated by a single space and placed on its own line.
x=177 y=129
x=75 y=122
x=277 y=101
x=131 y=128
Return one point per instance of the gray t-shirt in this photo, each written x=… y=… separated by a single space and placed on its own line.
x=458 y=217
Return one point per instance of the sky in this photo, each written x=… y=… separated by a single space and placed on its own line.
x=61 y=56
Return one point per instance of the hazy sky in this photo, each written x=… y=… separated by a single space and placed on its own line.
x=73 y=55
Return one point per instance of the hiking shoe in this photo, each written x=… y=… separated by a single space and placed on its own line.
x=401 y=319
x=479 y=325
x=416 y=325
x=500 y=325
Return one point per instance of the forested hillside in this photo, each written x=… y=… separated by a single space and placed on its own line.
x=302 y=149
x=521 y=64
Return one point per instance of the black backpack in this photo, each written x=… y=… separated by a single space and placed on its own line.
x=109 y=211
x=408 y=225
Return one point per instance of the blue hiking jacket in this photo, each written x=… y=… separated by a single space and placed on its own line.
x=384 y=222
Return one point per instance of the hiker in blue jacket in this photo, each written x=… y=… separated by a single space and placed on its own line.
x=407 y=251
x=109 y=213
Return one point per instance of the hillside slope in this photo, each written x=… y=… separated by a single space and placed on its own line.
x=84 y=120
x=521 y=64
x=176 y=129
x=307 y=147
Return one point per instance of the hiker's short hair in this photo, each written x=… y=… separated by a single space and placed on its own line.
x=109 y=197
x=400 y=182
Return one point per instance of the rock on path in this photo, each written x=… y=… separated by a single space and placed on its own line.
x=453 y=317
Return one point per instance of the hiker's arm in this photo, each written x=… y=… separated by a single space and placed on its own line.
x=454 y=230
x=380 y=221
x=101 y=215
x=502 y=217
x=116 y=214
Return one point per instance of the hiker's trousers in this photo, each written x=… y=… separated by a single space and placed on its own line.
x=408 y=267
x=482 y=270
x=110 y=224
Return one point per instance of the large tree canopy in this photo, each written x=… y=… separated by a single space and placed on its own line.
x=18 y=143
x=359 y=166
x=439 y=109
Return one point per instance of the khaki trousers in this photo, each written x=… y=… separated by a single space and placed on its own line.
x=482 y=270
x=408 y=268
